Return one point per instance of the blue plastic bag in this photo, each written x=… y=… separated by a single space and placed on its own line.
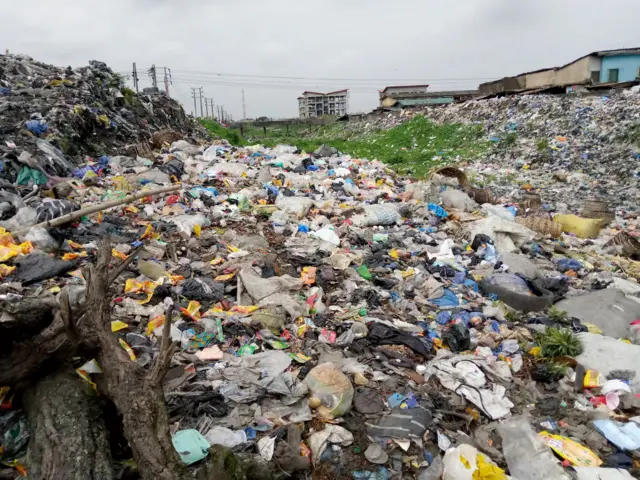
x=448 y=299
x=438 y=210
x=36 y=126
x=443 y=317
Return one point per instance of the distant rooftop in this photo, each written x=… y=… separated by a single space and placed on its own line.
x=404 y=86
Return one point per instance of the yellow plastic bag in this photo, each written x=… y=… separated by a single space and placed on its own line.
x=154 y=323
x=577 y=454
x=224 y=278
x=117 y=325
x=487 y=470
x=465 y=462
x=10 y=251
x=134 y=286
x=6 y=270
x=73 y=256
x=592 y=379
x=582 y=227
x=192 y=311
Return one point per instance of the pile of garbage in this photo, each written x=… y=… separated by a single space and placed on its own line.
x=51 y=118
x=335 y=318
x=567 y=148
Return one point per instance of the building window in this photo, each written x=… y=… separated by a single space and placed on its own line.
x=595 y=76
x=613 y=75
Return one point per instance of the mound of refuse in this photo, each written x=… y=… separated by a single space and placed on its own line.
x=222 y=312
x=52 y=118
x=566 y=148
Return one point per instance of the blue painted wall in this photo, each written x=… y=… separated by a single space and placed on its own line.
x=626 y=64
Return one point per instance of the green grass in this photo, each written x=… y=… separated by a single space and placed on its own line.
x=559 y=342
x=218 y=131
x=414 y=147
x=542 y=145
x=557 y=315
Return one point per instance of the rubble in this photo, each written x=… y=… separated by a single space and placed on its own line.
x=252 y=312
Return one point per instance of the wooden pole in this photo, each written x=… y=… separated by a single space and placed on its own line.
x=56 y=222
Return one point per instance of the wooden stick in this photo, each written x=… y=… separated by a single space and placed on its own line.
x=56 y=222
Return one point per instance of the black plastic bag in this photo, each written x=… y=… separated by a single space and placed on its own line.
x=381 y=334
x=479 y=240
x=37 y=267
x=173 y=167
x=202 y=289
x=457 y=336
x=54 y=209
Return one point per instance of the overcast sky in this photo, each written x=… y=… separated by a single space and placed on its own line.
x=328 y=45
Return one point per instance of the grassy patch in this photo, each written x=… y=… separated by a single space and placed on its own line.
x=542 y=145
x=559 y=342
x=217 y=130
x=413 y=147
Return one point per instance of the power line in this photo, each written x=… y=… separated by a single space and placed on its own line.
x=291 y=86
x=205 y=73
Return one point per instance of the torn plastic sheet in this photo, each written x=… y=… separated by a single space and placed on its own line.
x=274 y=410
x=464 y=377
x=262 y=372
x=625 y=436
x=272 y=291
x=332 y=434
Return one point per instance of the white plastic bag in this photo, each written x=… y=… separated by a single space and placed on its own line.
x=327 y=234
x=223 y=436
x=498 y=211
x=386 y=214
x=458 y=199
x=230 y=169
x=295 y=206
x=461 y=462
x=186 y=223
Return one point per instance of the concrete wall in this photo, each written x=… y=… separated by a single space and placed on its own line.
x=626 y=64
x=577 y=72
x=539 y=79
x=507 y=84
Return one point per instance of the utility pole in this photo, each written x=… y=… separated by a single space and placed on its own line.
x=201 y=110
x=206 y=104
x=135 y=77
x=167 y=80
x=244 y=106
x=218 y=112
x=195 y=107
x=213 y=112
x=154 y=77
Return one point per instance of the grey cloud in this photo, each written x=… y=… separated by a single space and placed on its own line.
x=465 y=40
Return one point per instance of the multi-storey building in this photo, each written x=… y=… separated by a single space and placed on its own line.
x=315 y=104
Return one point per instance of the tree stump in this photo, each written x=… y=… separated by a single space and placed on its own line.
x=68 y=436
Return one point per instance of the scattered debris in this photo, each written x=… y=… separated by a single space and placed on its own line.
x=260 y=312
